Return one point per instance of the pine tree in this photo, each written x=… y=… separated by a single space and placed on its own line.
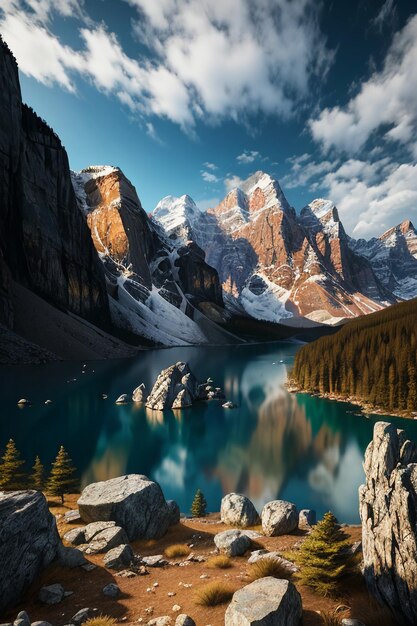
x=199 y=505
x=38 y=475
x=12 y=477
x=324 y=557
x=62 y=479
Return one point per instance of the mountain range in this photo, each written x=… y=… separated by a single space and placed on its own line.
x=85 y=272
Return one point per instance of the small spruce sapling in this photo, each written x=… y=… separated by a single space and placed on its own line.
x=325 y=557
x=38 y=475
x=12 y=477
x=62 y=478
x=199 y=505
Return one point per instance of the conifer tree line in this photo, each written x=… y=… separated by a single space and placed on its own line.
x=13 y=477
x=373 y=359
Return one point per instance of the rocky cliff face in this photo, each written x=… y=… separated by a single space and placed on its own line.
x=388 y=510
x=393 y=257
x=44 y=240
x=273 y=263
x=157 y=289
x=46 y=250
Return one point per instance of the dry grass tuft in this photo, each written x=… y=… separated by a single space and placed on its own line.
x=177 y=550
x=222 y=561
x=214 y=593
x=101 y=620
x=268 y=567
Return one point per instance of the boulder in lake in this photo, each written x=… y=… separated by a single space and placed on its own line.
x=238 y=510
x=29 y=542
x=175 y=385
x=265 y=602
x=123 y=399
x=138 y=394
x=232 y=542
x=279 y=517
x=133 y=501
x=388 y=506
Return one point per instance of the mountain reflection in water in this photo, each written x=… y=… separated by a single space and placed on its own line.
x=274 y=445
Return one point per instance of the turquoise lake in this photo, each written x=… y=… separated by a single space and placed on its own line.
x=274 y=445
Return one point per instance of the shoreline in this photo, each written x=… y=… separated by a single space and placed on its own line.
x=363 y=406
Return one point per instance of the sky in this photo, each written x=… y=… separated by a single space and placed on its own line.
x=193 y=96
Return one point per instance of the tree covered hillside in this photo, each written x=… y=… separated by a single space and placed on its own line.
x=372 y=359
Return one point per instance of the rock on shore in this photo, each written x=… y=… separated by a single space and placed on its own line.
x=134 y=502
x=29 y=542
x=388 y=510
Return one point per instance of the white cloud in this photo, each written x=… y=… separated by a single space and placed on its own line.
x=248 y=156
x=231 y=181
x=386 y=14
x=207 y=60
x=304 y=170
x=209 y=177
x=210 y=166
x=207 y=203
x=386 y=102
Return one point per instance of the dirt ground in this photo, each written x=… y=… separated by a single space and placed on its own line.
x=140 y=600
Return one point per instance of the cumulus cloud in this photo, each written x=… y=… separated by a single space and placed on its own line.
x=210 y=60
x=209 y=177
x=248 y=156
x=371 y=195
x=386 y=102
x=231 y=181
x=210 y=166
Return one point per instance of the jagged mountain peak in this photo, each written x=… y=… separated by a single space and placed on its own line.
x=405 y=229
x=95 y=171
x=175 y=213
x=321 y=207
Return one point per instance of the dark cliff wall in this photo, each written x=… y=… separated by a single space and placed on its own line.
x=45 y=243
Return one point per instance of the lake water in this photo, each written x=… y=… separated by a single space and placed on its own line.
x=274 y=445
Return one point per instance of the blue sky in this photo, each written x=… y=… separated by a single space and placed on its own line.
x=190 y=96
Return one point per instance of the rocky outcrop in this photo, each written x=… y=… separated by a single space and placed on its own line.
x=265 y=602
x=279 y=518
x=393 y=257
x=388 y=510
x=44 y=241
x=166 y=293
x=175 y=387
x=238 y=510
x=133 y=502
x=29 y=542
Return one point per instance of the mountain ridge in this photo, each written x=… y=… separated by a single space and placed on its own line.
x=267 y=255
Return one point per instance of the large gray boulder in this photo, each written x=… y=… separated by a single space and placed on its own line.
x=388 y=510
x=238 y=510
x=232 y=542
x=133 y=501
x=29 y=541
x=279 y=518
x=175 y=387
x=265 y=602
